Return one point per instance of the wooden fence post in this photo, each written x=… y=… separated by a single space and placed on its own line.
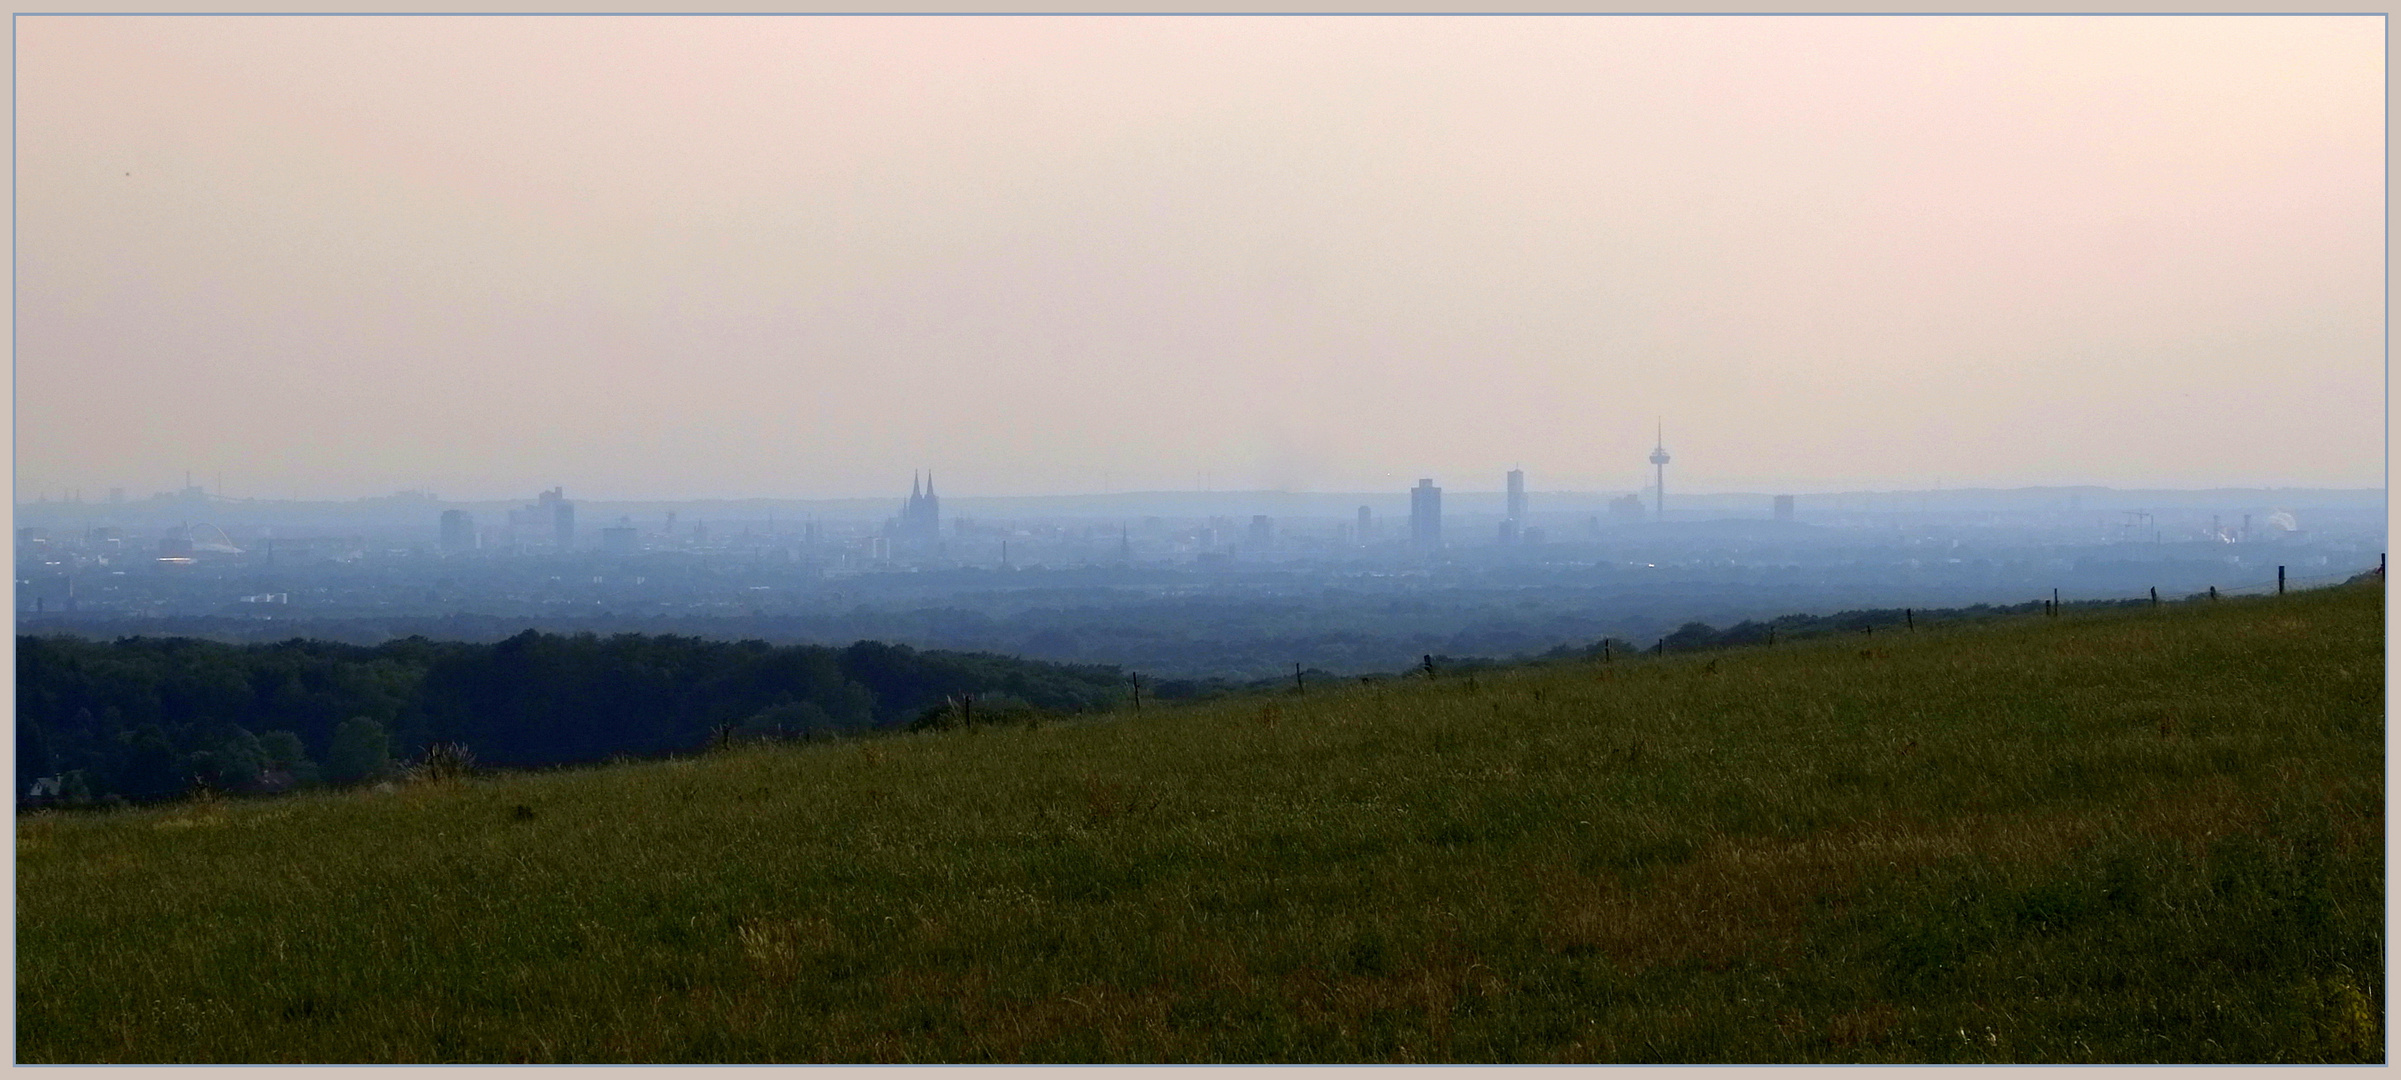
x=1911 y=615
x=2154 y=596
x=2279 y=581
x=1298 y=683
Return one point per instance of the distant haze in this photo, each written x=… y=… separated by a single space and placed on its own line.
x=668 y=258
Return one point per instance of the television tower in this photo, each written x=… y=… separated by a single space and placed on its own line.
x=1659 y=459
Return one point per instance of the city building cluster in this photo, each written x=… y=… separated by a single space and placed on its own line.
x=128 y=555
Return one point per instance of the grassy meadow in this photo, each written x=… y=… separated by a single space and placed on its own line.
x=2141 y=835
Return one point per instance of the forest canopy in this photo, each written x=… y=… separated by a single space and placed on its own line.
x=150 y=717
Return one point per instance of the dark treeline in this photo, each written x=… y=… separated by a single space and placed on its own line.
x=1693 y=636
x=1227 y=638
x=1230 y=640
x=151 y=717
x=147 y=717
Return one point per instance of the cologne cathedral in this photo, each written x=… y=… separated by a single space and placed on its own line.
x=920 y=519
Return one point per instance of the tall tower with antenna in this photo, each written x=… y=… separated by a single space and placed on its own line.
x=1659 y=459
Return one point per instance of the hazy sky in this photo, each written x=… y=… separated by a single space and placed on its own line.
x=795 y=257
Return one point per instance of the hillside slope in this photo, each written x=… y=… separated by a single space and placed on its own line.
x=2144 y=835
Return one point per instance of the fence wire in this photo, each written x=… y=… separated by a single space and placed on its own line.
x=2261 y=587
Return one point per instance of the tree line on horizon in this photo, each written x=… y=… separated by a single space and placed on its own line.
x=156 y=717
x=146 y=718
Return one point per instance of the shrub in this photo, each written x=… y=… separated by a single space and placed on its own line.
x=443 y=761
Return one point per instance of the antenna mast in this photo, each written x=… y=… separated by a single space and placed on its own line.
x=1659 y=461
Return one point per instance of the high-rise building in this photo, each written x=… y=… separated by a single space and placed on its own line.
x=620 y=539
x=458 y=530
x=1517 y=496
x=553 y=509
x=550 y=517
x=1425 y=514
x=1263 y=530
x=1784 y=508
x=1367 y=523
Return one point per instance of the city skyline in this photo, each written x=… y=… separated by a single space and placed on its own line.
x=29 y=497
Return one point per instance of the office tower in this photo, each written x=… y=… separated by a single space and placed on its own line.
x=1425 y=514
x=552 y=509
x=1263 y=530
x=458 y=530
x=1367 y=523
x=1517 y=496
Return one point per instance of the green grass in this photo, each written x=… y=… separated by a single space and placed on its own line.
x=2145 y=835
